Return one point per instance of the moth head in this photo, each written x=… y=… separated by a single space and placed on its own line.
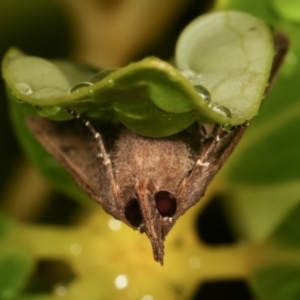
x=149 y=173
x=152 y=212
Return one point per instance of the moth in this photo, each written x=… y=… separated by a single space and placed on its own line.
x=147 y=183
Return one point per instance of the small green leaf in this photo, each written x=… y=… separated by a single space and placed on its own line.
x=28 y=75
x=229 y=53
x=14 y=271
x=277 y=282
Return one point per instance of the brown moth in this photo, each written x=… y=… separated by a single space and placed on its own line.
x=147 y=183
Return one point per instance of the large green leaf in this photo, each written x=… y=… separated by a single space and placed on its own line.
x=288 y=232
x=230 y=66
x=277 y=282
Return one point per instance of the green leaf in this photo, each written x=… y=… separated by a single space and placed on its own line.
x=288 y=232
x=277 y=282
x=255 y=211
x=33 y=78
x=270 y=154
x=231 y=57
x=230 y=66
x=14 y=271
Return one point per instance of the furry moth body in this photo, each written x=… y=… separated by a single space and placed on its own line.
x=145 y=182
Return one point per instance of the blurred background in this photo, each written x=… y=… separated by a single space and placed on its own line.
x=224 y=249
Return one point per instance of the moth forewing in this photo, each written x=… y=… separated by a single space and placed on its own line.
x=70 y=146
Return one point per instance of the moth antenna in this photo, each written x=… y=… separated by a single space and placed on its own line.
x=94 y=132
x=102 y=152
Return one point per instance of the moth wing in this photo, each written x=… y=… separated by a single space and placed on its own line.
x=74 y=148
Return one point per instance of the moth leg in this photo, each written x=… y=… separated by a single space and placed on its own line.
x=107 y=165
x=208 y=157
x=244 y=125
x=193 y=187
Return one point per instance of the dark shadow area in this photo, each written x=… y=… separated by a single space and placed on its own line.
x=224 y=290
x=48 y=275
x=165 y=52
x=212 y=225
x=62 y=211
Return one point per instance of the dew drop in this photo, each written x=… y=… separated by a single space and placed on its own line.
x=203 y=93
x=222 y=110
x=226 y=126
x=24 y=88
x=78 y=86
x=47 y=111
x=102 y=74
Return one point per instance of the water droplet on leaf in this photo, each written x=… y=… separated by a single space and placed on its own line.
x=222 y=110
x=78 y=86
x=226 y=126
x=24 y=88
x=203 y=93
x=47 y=111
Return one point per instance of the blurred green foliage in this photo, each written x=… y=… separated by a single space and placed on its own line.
x=265 y=168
